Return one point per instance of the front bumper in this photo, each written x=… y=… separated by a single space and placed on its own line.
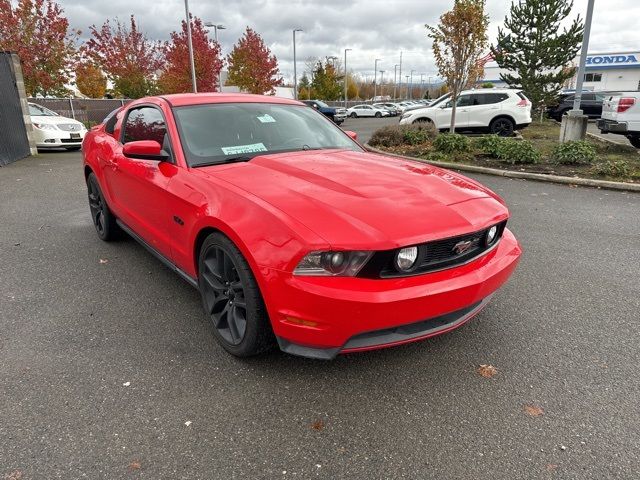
x=606 y=126
x=321 y=317
x=58 y=138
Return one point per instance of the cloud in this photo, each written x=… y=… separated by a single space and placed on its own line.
x=371 y=28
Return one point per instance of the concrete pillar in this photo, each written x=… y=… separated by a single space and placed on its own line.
x=573 y=126
x=24 y=105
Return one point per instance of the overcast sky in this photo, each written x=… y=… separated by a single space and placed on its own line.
x=372 y=28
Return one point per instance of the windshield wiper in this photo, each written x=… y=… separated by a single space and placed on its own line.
x=238 y=159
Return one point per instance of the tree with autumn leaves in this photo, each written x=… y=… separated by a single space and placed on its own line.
x=176 y=74
x=39 y=33
x=128 y=58
x=459 y=40
x=252 y=67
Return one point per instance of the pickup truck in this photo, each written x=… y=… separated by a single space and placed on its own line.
x=337 y=114
x=621 y=116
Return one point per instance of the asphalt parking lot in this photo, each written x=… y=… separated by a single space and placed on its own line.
x=108 y=368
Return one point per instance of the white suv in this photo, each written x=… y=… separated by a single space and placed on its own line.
x=498 y=110
x=621 y=115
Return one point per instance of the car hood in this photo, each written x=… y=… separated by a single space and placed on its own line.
x=51 y=120
x=365 y=200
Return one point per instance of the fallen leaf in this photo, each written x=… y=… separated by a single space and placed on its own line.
x=135 y=465
x=103 y=261
x=126 y=384
x=551 y=467
x=533 y=410
x=487 y=371
x=187 y=423
x=317 y=425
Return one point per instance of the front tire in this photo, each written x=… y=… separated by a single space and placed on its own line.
x=103 y=220
x=378 y=115
x=231 y=298
x=502 y=126
x=353 y=115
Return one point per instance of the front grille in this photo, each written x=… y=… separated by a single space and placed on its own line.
x=69 y=127
x=433 y=256
x=70 y=140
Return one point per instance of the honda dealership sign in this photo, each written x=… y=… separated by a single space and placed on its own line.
x=613 y=60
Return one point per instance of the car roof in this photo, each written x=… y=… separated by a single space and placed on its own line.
x=182 y=99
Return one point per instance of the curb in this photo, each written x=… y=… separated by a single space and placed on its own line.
x=538 y=177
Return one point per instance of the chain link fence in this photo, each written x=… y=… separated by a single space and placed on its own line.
x=86 y=110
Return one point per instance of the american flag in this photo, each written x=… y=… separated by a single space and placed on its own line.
x=486 y=59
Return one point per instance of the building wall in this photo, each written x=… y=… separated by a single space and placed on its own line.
x=617 y=70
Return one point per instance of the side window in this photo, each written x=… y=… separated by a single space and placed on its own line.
x=110 y=121
x=464 y=101
x=588 y=97
x=144 y=123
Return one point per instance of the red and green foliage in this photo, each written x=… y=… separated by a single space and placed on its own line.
x=252 y=67
x=90 y=80
x=125 y=54
x=38 y=31
x=176 y=76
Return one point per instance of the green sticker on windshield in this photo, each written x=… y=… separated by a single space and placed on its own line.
x=240 y=149
x=266 y=118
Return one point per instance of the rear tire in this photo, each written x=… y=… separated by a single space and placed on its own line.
x=502 y=126
x=634 y=140
x=231 y=298
x=353 y=115
x=103 y=220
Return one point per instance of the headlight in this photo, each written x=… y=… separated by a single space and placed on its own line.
x=44 y=126
x=405 y=115
x=406 y=259
x=344 y=264
x=492 y=235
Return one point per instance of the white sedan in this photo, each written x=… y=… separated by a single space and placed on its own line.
x=54 y=131
x=366 y=111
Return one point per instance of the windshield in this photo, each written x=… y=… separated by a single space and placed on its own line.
x=322 y=104
x=39 y=111
x=218 y=133
x=439 y=99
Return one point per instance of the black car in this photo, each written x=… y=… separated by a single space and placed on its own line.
x=336 y=114
x=591 y=104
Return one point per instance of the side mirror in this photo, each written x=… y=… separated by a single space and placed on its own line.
x=352 y=135
x=145 y=150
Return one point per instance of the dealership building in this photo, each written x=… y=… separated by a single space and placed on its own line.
x=617 y=71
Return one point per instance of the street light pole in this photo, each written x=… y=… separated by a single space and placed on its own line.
x=421 y=83
x=382 y=82
x=407 y=77
x=191 y=62
x=411 y=85
x=400 y=73
x=345 y=76
x=295 y=76
x=217 y=27
x=577 y=99
x=395 y=80
x=375 y=76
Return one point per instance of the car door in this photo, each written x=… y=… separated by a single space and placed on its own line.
x=443 y=113
x=589 y=105
x=484 y=106
x=138 y=186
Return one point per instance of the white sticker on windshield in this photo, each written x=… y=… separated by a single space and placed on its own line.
x=239 y=149
x=266 y=118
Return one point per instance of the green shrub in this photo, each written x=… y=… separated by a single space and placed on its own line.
x=451 y=142
x=613 y=168
x=389 y=136
x=437 y=157
x=490 y=145
x=418 y=133
x=574 y=153
x=518 y=151
x=396 y=135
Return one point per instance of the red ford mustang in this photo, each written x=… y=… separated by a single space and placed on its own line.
x=290 y=229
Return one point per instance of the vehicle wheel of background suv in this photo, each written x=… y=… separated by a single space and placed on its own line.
x=103 y=219
x=232 y=299
x=353 y=115
x=502 y=126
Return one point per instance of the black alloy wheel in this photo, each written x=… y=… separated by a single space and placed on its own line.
x=503 y=127
x=232 y=299
x=102 y=218
x=353 y=115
